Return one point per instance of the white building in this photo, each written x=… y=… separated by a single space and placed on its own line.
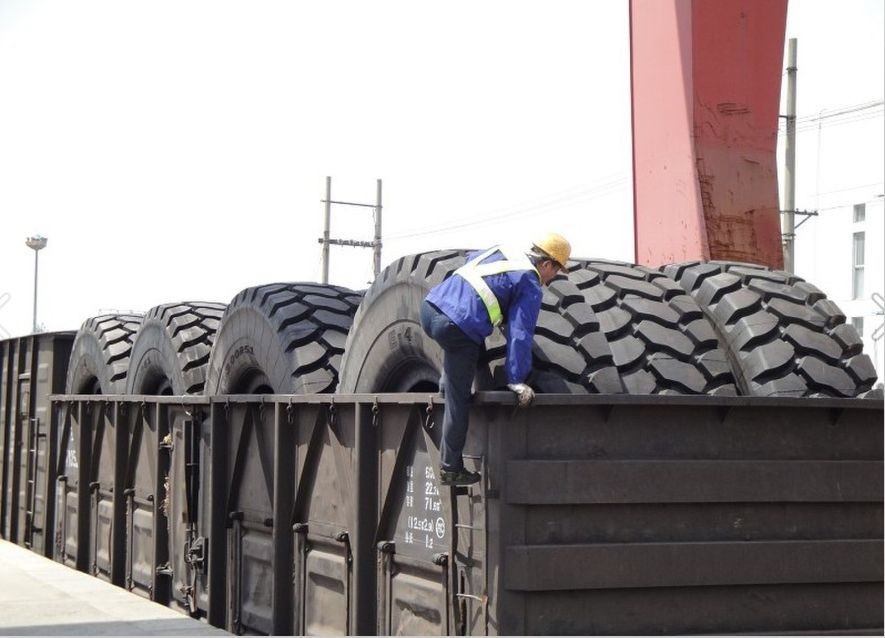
x=842 y=252
x=840 y=157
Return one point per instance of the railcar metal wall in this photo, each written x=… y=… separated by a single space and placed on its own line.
x=31 y=369
x=596 y=514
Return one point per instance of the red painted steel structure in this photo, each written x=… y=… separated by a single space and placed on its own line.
x=706 y=79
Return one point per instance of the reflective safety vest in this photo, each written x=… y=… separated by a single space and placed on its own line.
x=474 y=271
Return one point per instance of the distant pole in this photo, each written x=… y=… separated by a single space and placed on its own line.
x=36 y=243
x=327 y=241
x=326 y=229
x=377 y=243
x=36 y=268
x=789 y=227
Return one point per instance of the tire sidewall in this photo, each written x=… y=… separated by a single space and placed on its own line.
x=245 y=345
x=86 y=363
x=385 y=342
x=153 y=355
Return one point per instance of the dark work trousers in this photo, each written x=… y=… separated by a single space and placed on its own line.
x=459 y=368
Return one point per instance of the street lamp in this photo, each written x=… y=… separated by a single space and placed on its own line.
x=36 y=243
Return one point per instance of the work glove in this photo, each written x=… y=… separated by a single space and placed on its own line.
x=524 y=394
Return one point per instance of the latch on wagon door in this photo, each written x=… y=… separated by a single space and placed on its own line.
x=196 y=553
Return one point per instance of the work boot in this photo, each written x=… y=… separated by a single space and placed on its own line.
x=458 y=477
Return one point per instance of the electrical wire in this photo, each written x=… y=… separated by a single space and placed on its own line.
x=554 y=201
x=869 y=201
x=842 y=115
x=852 y=188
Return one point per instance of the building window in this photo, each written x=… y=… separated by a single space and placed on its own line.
x=860 y=212
x=858 y=266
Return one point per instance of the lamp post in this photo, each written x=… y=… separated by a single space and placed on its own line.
x=36 y=243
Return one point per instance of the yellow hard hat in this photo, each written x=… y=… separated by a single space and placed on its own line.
x=556 y=246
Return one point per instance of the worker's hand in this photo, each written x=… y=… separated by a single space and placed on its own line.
x=524 y=394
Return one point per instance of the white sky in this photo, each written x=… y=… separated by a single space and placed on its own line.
x=178 y=150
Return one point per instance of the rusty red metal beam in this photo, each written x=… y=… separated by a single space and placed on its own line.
x=706 y=79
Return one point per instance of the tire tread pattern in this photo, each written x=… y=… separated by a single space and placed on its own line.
x=661 y=341
x=312 y=321
x=190 y=326
x=114 y=335
x=782 y=335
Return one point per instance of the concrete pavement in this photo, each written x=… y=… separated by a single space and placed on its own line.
x=39 y=596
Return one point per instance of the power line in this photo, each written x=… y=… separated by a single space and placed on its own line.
x=852 y=188
x=869 y=201
x=559 y=196
x=817 y=124
x=843 y=110
x=869 y=109
x=551 y=202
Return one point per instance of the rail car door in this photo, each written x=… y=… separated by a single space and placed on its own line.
x=35 y=462
x=13 y=444
x=71 y=496
x=324 y=514
x=106 y=517
x=146 y=536
x=431 y=558
x=185 y=504
x=250 y=520
x=21 y=483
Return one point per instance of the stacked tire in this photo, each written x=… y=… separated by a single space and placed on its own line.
x=607 y=327
x=285 y=338
x=99 y=362
x=171 y=352
x=782 y=335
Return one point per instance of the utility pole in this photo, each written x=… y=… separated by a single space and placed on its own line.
x=789 y=228
x=377 y=248
x=327 y=241
x=326 y=229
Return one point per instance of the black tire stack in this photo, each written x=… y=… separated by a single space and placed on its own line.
x=172 y=349
x=608 y=327
x=782 y=335
x=285 y=338
x=387 y=350
x=659 y=337
x=99 y=362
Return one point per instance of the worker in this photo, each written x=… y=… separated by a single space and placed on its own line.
x=495 y=287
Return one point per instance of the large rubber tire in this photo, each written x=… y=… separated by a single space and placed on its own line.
x=783 y=336
x=388 y=351
x=660 y=339
x=284 y=338
x=99 y=360
x=172 y=348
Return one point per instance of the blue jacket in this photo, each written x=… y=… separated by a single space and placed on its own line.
x=519 y=294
